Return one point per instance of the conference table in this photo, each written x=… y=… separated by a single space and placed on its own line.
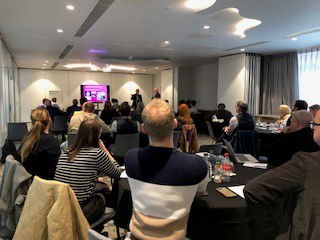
x=211 y=217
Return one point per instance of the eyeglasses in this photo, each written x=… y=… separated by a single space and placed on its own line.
x=313 y=124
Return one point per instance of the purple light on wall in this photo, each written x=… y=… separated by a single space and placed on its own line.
x=97 y=51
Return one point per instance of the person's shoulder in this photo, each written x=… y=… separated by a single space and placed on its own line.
x=131 y=158
x=307 y=156
x=48 y=140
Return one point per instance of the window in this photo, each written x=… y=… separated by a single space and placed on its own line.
x=309 y=75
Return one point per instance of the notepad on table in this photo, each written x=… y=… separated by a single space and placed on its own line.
x=237 y=190
x=256 y=165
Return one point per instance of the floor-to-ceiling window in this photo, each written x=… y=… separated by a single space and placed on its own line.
x=309 y=75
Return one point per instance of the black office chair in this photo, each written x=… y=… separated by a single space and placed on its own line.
x=247 y=142
x=60 y=126
x=17 y=131
x=72 y=138
x=211 y=132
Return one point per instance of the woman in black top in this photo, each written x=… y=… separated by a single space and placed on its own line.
x=40 y=151
x=108 y=113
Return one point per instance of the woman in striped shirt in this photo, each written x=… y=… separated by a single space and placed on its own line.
x=82 y=163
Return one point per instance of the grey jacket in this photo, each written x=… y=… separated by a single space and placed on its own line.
x=15 y=183
x=285 y=202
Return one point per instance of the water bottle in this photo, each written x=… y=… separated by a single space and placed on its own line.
x=226 y=169
x=218 y=171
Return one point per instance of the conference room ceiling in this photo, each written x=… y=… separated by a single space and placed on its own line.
x=134 y=32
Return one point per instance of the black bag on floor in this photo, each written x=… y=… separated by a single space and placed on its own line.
x=9 y=148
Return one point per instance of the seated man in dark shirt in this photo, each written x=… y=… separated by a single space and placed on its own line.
x=300 y=138
x=72 y=109
x=125 y=125
x=295 y=187
x=221 y=113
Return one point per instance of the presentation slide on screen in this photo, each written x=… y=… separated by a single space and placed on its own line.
x=95 y=93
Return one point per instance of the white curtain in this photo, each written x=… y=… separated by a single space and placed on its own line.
x=252 y=82
x=309 y=75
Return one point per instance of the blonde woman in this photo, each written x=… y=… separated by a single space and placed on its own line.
x=40 y=151
x=285 y=113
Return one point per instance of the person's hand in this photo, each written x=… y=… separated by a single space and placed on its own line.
x=285 y=129
x=101 y=180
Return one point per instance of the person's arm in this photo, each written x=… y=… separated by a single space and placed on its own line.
x=232 y=125
x=263 y=192
x=114 y=127
x=52 y=148
x=107 y=165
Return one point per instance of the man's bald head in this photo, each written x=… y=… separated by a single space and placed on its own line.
x=300 y=119
x=159 y=120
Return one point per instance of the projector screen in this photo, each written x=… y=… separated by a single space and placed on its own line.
x=96 y=93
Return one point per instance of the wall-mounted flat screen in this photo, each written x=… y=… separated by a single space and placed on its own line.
x=96 y=93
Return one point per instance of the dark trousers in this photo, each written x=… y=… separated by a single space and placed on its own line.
x=94 y=207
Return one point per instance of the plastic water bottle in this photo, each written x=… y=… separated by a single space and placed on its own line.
x=218 y=171
x=226 y=169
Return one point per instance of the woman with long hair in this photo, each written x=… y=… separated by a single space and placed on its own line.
x=82 y=163
x=184 y=117
x=108 y=113
x=40 y=151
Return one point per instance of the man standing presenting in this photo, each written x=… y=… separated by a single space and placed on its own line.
x=156 y=93
x=136 y=98
x=163 y=181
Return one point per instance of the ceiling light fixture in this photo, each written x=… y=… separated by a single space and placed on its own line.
x=206 y=27
x=144 y=70
x=242 y=49
x=44 y=64
x=70 y=7
x=166 y=42
x=294 y=39
x=46 y=61
x=59 y=30
x=199 y=5
x=157 y=68
x=245 y=24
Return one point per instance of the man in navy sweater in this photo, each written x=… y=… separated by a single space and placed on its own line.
x=163 y=181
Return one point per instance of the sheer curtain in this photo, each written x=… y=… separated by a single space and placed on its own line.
x=309 y=75
x=279 y=82
x=252 y=82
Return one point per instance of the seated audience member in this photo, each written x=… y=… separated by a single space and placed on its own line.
x=221 y=113
x=298 y=105
x=107 y=113
x=115 y=104
x=54 y=103
x=285 y=113
x=125 y=125
x=163 y=181
x=40 y=151
x=314 y=109
x=242 y=121
x=86 y=114
x=156 y=93
x=184 y=117
x=53 y=111
x=83 y=100
x=193 y=109
x=299 y=139
x=81 y=164
x=43 y=105
x=297 y=180
x=73 y=108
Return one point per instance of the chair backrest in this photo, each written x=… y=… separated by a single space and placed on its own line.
x=125 y=142
x=210 y=129
x=17 y=131
x=176 y=137
x=247 y=142
x=72 y=138
x=215 y=148
x=60 y=124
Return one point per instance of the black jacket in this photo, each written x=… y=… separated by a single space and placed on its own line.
x=135 y=98
x=288 y=144
x=292 y=188
x=156 y=95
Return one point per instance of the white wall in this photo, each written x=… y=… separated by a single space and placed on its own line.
x=231 y=80
x=199 y=83
x=167 y=85
x=36 y=84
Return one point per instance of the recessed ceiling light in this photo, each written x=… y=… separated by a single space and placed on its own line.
x=242 y=49
x=70 y=7
x=44 y=64
x=144 y=70
x=157 y=68
x=206 y=27
x=199 y=4
x=59 y=30
x=46 y=61
x=43 y=68
x=294 y=39
x=166 y=42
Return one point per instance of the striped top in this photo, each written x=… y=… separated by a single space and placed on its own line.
x=163 y=183
x=82 y=173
